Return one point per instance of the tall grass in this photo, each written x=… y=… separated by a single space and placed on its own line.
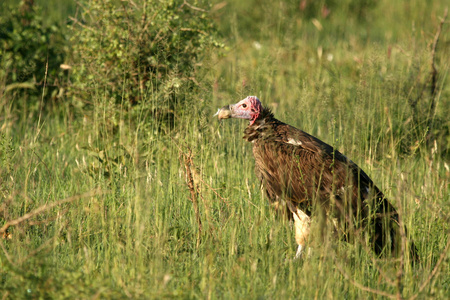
x=136 y=234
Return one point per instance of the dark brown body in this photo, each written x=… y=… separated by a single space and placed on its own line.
x=310 y=175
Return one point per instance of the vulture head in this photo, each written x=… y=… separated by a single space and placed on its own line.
x=248 y=108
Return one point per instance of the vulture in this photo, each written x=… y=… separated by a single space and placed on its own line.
x=309 y=177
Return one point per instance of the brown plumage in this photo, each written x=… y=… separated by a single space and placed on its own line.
x=309 y=175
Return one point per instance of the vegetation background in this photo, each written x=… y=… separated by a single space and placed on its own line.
x=117 y=182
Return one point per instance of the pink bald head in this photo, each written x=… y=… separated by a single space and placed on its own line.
x=248 y=108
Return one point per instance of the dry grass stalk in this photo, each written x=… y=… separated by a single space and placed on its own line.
x=188 y=164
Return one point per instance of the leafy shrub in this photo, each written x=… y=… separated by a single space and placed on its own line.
x=133 y=49
x=26 y=46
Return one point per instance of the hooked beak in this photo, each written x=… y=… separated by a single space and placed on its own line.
x=224 y=112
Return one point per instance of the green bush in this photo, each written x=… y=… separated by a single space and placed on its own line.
x=29 y=50
x=132 y=49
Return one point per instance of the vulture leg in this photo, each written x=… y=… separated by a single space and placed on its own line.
x=302 y=223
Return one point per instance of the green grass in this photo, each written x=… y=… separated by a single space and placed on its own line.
x=138 y=237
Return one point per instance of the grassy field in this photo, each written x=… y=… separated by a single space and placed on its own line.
x=104 y=198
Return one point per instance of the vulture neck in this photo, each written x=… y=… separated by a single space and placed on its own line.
x=263 y=127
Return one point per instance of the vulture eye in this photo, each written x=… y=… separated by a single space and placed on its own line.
x=244 y=105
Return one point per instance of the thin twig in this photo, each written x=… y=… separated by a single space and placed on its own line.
x=433 y=76
x=5 y=295
x=76 y=22
x=192 y=7
x=361 y=286
x=434 y=271
x=434 y=72
x=356 y=234
x=46 y=207
x=39 y=249
x=212 y=228
x=41 y=104
x=214 y=190
x=403 y=242
x=8 y=257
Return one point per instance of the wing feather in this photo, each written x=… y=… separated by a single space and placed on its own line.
x=300 y=168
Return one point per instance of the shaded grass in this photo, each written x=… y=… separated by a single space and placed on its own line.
x=139 y=238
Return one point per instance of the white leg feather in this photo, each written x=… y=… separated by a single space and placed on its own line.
x=302 y=224
x=299 y=252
